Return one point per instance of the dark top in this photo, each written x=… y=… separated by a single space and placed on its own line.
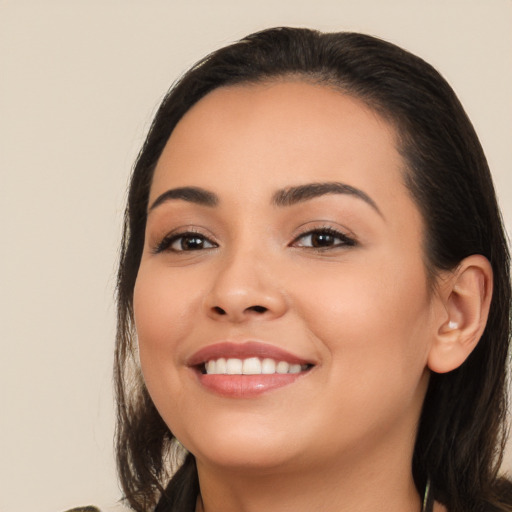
x=84 y=509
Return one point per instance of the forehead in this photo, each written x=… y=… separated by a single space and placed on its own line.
x=278 y=134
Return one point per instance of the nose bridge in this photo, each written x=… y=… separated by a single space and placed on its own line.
x=245 y=284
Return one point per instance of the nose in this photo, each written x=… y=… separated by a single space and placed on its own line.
x=245 y=288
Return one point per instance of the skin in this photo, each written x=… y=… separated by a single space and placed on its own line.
x=341 y=437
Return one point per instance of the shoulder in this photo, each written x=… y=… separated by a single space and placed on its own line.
x=84 y=509
x=112 y=508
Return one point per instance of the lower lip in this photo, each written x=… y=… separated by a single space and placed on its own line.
x=247 y=386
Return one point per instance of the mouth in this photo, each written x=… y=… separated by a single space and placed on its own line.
x=251 y=366
x=246 y=370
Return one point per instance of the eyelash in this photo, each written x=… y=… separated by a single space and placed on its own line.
x=169 y=240
x=344 y=240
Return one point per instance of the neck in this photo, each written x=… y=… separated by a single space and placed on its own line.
x=383 y=485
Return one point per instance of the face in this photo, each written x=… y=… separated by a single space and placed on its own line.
x=281 y=306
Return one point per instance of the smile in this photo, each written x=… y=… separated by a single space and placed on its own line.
x=246 y=370
x=251 y=366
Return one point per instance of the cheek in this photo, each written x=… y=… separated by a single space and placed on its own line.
x=373 y=319
x=163 y=304
x=375 y=332
x=163 y=311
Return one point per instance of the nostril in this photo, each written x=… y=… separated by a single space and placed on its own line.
x=257 y=309
x=217 y=311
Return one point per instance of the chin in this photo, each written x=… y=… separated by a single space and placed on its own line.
x=242 y=445
x=241 y=457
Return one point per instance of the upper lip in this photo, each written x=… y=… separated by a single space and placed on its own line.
x=243 y=350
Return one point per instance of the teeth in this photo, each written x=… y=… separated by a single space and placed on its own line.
x=268 y=366
x=211 y=367
x=295 y=368
x=220 y=365
x=251 y=366
x=234 y=366
x=282 y=367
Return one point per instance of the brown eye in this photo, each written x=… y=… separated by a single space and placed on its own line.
x=189 y=243
x=185 y=242
x=323 y=239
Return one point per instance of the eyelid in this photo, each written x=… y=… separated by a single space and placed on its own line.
x=165 y=242
x=345 y=238
x=348 y=240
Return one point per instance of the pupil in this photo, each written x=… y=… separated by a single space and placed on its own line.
x=191 y=243
x=322 y=240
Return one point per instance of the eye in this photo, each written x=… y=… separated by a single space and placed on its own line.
x=323 y=238
x=184 y=242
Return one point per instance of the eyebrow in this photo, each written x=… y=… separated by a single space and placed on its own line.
x=293 y=195
x=191 y=194
x=285 y=197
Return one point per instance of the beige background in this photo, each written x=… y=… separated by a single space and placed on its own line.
x=79 y=82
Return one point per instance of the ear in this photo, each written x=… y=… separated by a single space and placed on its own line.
x=466 y=295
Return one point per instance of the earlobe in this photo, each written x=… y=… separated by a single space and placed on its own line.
x=466 y=296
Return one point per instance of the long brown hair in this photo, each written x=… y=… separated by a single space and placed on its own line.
x=461 y=433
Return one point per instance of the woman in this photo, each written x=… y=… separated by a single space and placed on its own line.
x=315 y=281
